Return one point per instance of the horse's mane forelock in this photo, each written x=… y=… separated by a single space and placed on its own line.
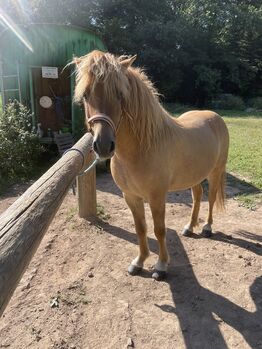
x=95 y=66
x=141 y=107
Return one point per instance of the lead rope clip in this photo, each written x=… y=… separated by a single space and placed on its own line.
x=90 y=166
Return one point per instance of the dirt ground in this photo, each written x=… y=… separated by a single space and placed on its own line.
x=77 y=293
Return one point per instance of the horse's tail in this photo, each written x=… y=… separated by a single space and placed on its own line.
x=220 y=197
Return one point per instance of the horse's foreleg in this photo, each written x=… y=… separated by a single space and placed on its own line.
x=197 y=192
x=158 y=213
x=136 y=206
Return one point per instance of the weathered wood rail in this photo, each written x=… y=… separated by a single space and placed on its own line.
x=23 y=224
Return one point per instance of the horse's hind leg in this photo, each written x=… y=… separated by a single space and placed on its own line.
x=158 y=212
x=215 y=191
x=136 y=206
x=197 y=192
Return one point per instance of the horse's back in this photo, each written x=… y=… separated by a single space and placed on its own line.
x=205 y=121
x=202 y=147
x=195 y=117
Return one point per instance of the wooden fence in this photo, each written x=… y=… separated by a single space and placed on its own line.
x=23 y=224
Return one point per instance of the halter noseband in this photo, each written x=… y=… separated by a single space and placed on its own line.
x=102 y=117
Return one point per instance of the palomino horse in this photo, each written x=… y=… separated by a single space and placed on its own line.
x=152 y=153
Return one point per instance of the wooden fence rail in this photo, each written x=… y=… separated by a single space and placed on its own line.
x=23 y=224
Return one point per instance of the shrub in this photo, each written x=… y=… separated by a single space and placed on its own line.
x=176 y=108
x=228 y=101
x=19 y=146
x=256 y=103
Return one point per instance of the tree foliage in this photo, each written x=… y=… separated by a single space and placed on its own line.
x=193 y=49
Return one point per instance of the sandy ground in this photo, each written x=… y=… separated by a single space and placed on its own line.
x=77 y=293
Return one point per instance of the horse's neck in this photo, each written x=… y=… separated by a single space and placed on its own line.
x=126 y=142
x=145 y=123
x=130 y=143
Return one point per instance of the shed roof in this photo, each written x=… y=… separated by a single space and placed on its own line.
x=51 y=43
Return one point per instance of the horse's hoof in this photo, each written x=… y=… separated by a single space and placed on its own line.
x=159 y=275
x=206 y=233
x=187 y=232
x=134 y=269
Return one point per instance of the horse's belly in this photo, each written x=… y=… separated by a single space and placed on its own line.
x=142 y=180
x=186 y=183
x=193 y=167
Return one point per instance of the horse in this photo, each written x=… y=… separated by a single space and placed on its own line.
x=152 y=153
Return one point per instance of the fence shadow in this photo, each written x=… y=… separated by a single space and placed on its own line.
x=199 y=310
x=251 y=236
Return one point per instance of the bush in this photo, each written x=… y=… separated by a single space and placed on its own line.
x=19 y=146
x=176 y=108
x=228 y=101
x=256 y=103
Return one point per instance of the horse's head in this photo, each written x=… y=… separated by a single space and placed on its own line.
x=102 y=85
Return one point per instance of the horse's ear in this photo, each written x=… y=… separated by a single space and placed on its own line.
x=128 y=61
x=76 y=60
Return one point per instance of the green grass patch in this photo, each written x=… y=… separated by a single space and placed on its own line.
x=245 y=156
x=245 y=152
x=71 y=212
x=239 y=114
x=101 y=212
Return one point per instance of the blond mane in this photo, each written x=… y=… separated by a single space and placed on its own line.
x=141 y=108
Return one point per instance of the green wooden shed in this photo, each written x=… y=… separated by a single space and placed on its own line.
x=32 y=59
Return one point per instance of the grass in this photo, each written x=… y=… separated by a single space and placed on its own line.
x=101 y=212
x=71 y=212
x=245 y=153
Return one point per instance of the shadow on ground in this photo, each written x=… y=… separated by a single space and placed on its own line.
x=207 y=309
x=240 y=186
x=234 y=187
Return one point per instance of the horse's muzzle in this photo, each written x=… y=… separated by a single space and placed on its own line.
x=104 y=149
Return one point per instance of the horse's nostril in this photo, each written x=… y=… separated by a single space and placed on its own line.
x=105 y=149
x=112 y=148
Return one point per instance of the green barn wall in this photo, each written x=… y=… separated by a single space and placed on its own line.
x=53 y=45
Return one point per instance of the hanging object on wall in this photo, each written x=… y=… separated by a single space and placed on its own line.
x=45 y=102
x=50 y=72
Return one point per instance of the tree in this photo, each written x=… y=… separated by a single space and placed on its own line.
x=192 y=49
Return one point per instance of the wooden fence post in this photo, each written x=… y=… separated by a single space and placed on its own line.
x=86 y=191
x=23 y=224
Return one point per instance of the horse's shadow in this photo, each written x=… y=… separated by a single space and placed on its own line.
x=200 y=311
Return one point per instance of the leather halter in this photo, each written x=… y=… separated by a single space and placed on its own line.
x=102 y=117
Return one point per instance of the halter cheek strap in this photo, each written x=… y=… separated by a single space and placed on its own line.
x=102 y=117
